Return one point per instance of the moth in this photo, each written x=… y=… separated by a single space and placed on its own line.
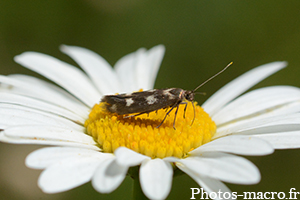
x=153 y=100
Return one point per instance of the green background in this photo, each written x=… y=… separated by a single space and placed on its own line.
x=201 y=37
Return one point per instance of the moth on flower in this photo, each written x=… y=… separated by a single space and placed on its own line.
x=151 y=100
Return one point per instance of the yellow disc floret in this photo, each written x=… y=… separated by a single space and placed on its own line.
x=140 y=133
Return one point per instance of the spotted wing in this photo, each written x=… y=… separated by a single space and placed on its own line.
x=142 y=102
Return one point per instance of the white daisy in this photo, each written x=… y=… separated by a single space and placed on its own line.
x=95 y=145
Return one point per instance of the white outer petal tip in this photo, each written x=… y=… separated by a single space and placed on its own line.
x=67 y=174
x=109 y=176
x=156 y=178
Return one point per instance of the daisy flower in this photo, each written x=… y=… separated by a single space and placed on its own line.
x=88 y=143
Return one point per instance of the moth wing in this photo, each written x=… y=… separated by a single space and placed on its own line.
x=152 y=100
x=142 y=102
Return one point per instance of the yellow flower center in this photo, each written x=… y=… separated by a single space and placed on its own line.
x=140 y=133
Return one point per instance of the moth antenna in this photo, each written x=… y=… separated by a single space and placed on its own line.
x=212 y=77
x=202 y=93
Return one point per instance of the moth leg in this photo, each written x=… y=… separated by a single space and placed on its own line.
x=175 y=116
x=184 y=108
x=165 y=117
x=176 y=104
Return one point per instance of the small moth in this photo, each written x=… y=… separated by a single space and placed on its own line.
x=152 y=100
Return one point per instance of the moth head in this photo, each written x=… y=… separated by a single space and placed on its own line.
x=189 y=95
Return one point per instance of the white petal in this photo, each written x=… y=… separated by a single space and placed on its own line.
x=39 y=105
x=125 y=69
x=271 y=115
x=65 y=75
x=49 y=133
x=138 y=70
x=238 y=144
x=108 y=176
x=171 y=159
x=273 y=124
x=148 y=67
x=98 y=69
x=129 y=158
x=10 y=114
x=224 y=167
x=7 y=120
x=289 y=108
x=209 y=185
x=240 y=85
x=283 y=140
x=13 y=140
x=38 y=89
x=156 y=178
x=67 y=174
x=257 y=102
x=45 y=157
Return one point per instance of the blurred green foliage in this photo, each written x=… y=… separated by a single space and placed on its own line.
x=201 y=37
